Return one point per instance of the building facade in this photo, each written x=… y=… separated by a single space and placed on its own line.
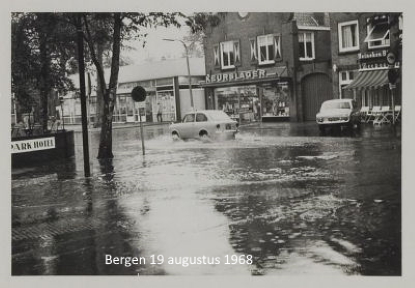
x=167 y=86
x=361 y=43
x=268 y=66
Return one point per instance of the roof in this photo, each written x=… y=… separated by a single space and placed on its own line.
x=305 y=19
x=152 y=70
x=311 y=21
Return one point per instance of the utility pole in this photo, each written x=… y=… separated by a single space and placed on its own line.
x=81 y=64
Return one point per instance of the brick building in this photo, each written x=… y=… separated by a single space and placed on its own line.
x=360 y=44
x=269 y=66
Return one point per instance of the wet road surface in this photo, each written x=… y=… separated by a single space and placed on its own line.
x=297 y=201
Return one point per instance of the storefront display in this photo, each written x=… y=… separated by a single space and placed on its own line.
x=238 y=101
x=275 y=99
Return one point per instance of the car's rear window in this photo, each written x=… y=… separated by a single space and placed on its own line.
x=218 y=115
x=335 y=105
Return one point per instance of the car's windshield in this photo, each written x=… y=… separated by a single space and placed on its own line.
x=335 y=105
x=218 y=115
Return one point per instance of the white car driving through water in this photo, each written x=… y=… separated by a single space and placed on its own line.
x=205 y=124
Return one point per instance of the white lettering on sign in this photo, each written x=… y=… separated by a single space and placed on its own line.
x=29 y=145
x=242 y=75
x=377 y=66
x=373 y=54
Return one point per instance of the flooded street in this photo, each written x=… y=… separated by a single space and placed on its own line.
x=296 y=201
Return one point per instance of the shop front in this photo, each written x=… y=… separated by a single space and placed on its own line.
x=252 y=95
x=371 y=87
x=159 y=106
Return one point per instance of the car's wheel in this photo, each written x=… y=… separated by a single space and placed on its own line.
x=203 y=135
x=175 y=136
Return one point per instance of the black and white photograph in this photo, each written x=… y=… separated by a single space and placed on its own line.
x=214 y=143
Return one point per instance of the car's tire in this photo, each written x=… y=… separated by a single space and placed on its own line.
x=203 y=135
x=175 y=136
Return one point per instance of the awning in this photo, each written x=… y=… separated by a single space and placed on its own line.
x=378 y=33
x=369 y=79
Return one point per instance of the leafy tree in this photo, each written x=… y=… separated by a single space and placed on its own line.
x=114 y=28
x=41 y=46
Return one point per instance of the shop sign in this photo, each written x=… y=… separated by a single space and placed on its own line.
x=30 y=145
x=236 y=76
x=373 y=54
x=363 y=66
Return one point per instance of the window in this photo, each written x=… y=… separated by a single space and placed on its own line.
x=269 y=48
x=348 y=36
x=306 y=41
x=378 y=32
x=345 y=78
x=201 y=117
x=189 y=118
x=230 y=54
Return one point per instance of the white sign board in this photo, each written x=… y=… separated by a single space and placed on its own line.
x=30 y=145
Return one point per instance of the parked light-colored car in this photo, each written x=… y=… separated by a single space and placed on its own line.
x=338 y=112
x=213 y=124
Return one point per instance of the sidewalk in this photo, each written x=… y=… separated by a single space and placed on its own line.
x=78 y=127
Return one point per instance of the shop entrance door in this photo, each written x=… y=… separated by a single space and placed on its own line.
x=316 y=88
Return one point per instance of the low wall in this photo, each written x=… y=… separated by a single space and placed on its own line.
x=64 y=148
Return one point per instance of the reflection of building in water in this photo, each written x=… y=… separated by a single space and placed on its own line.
x=166 y=82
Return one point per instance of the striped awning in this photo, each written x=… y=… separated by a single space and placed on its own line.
x=369 y=79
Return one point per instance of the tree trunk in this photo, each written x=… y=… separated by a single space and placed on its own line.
x=105 y=142
x=105 y=145
x=100 y=97
x=44 y=72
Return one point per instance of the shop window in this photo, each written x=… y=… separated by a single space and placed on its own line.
x=378 y=32
x=348 y=36
x=269 y=48
x=238 y=101
x=275 y=100
x=306 y=42
x=345 y=78
x=230 y=52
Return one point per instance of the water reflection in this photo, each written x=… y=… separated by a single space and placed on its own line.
x=303 y=204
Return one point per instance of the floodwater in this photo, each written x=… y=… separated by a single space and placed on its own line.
x=281 y=196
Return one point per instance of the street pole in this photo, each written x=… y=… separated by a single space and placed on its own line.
x=80 y=43
x=393 y=104
x=141 y=132
x=189 y=75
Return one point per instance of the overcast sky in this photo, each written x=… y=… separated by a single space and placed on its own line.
x=155 y=47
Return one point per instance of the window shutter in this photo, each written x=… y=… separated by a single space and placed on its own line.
x=237 y=52
x=252 y=42
x=216 y=57
x=277 y=47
